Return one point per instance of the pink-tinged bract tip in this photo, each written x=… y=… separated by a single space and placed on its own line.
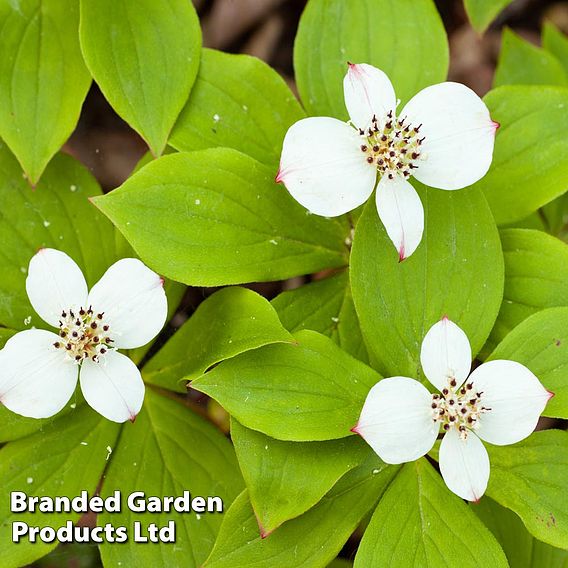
x=354 y=429
x=496 y=125
x=550 y=394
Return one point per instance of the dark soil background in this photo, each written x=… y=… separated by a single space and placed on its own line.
x=266 y=29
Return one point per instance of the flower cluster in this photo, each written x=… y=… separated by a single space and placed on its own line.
x=499 y=402
x=443 y=137
x=125 y=309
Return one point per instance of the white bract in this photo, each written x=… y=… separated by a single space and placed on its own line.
x=499 y=402
x=443 y=137
x=125 y=309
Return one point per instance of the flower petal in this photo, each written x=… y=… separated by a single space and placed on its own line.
x=459 y=135
x=396 y=420
x=323 y=167
x=464 y=465
x=36 y=379
x=54 y=283
x=516 y=399
x=113 y=387
x=445 y=354
x=368 y=92
x=133 y=300
x=402 y=214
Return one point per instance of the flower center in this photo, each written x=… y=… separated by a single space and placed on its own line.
x=84 y=335
x=458 y=408
x=393 y=149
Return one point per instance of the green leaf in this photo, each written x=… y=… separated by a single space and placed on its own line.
x=305 y=392
x=56 y=214
x=167 y=451
x=554 y=41
x=482 y=12
x=309 y=541
x=522 y=63
x=541 y=344
x=226 y=221
x=530 y=479
x=280 y=475
x=456 y=271
x=43 y=80
x=522 y=550
x=229 y=322
x=325 y=306
x=144 y=56
x=238 y=102
x=528 y=168
x=536 y=277
x=65 y=460
x=418 y=522
x=405 y=39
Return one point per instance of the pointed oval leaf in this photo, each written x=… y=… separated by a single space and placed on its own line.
x=456 y=271
x=555 y=42
x=43 y=80
x=309 y=541
x=229 y=322
x=280 y=475
x=528 y=168
x=310 y=391
x=419 y=523
x=144 y=56
x=216 y=217
x=482 y=12
x=167 y=451
x=238 y=102
x=333 y=32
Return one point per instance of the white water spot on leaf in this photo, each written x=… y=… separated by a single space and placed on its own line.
x=334 y=319
x=375 y=471
x=109 y=451
x=73 y=187
x=245 y=108
x=84 y=444
x=23 y=269
x=198 y=202
x=28 y=320
x=46 y=224
x=30 y=480
x=274 y=241
x=198 y=516
x=216 y=117
x=73 y=405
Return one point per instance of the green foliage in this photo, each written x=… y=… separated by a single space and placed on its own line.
x=310 y=391
x=226 y=221
x=555 y=42
x=169 y=450
x=66 y=460
x=457 y=271
x=522 y=63
x=276 y=472
x=482 y=12
x=419 y=523
x=541 y=344
x=325 y=306
x=56 y=214
x=43 y=80
x=528 y=168
x=522 y=549
x=404 y=39
x=309 y=541
x=530 y=479
x=144 y=56
x=237 y=102
x=232 y=321
x=536 y=277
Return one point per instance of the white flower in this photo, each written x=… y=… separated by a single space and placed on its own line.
x=125 y=309
x=500 y=403
x=443 y=137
